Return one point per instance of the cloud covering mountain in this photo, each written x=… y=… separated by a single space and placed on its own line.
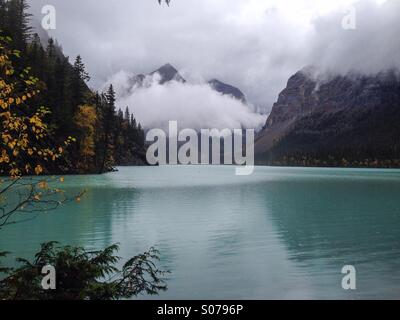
x=156 y=101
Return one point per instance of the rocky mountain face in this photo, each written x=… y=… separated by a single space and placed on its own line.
x=343 y=120
x=168 y=73
x=227 y=89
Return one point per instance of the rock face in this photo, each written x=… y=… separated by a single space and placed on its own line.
x=227 y=89
x=351 y=119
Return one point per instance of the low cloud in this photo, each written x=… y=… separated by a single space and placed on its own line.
x=192 y=105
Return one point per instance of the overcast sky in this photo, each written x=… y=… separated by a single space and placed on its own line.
x=253 y=44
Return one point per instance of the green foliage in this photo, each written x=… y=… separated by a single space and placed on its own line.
x=83 y=275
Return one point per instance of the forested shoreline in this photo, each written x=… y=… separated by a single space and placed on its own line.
x=99 y=136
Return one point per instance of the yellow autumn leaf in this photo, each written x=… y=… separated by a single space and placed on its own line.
x=38 y=169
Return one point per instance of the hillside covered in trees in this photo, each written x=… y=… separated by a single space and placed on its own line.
x=100 y=136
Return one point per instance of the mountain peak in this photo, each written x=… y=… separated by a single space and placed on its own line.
x=168 y=73
x=169 y=66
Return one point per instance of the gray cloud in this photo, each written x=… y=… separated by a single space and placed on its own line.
x=245 y=43
x=374 y=45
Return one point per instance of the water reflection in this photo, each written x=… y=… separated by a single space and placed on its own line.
x=326 y=224
x=281 y=233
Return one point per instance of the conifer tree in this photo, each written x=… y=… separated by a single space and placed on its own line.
x=17 y=23
x=127 y=114
x=108 y=125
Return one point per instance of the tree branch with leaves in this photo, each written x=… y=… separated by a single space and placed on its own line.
x=24 y=144
x=84 y=275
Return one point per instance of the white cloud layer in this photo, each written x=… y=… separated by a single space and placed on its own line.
x=194 y=106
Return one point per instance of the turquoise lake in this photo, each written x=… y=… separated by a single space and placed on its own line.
x=281 y=233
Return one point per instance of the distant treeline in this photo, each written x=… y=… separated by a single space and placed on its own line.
x=362 y=139
x=102 y=136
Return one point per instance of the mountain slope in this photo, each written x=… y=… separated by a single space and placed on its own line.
x=344 y=121
x=227 y=89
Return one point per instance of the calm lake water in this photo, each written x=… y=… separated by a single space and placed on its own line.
x=281 y=233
